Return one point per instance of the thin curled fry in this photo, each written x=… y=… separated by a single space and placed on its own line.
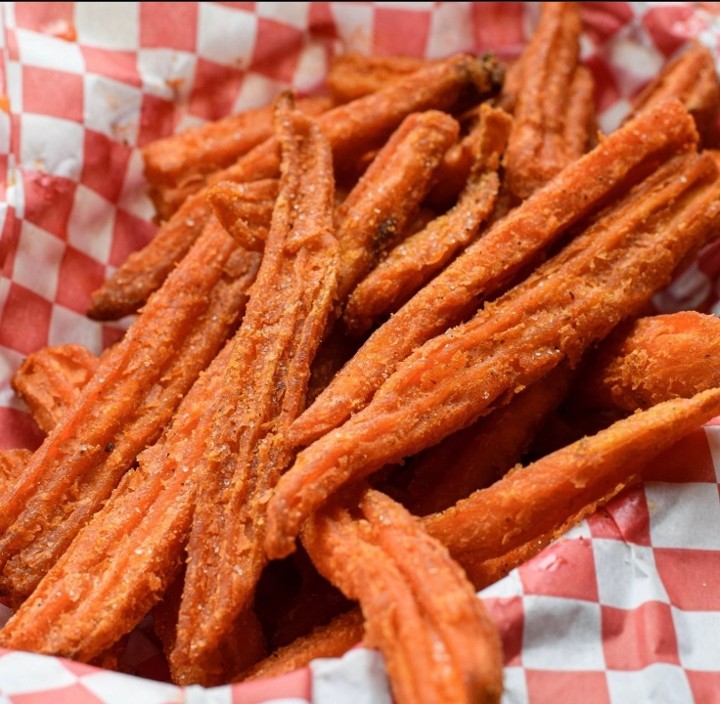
x=245 y=210
x=351 y=129
x=491 y=261
x=263 y=390
x=553 y=106
x=601 y=278
x=123 y=408
x=692 y=79
x=419 y=609
x=417 y=259
x=179 y=165
x=378 y=209
x=531 y=501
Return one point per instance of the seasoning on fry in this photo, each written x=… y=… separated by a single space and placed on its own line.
x=597 y=281
x=127 y=403
x=553 y=105
x=491 y=261
x=531 y=501
x=351 y=129
x=263 y=390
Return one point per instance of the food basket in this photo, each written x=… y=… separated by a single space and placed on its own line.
x=626 y=607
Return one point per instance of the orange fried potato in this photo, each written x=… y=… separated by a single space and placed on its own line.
x=243 y=448
x=245 y=209
x=604 y=276
x=554 y=109
x=377 y=211
x=50 y=380
x=532 y=501
x=654 y=359
x=123 y=408
x=352 y=75
x=692 y=79
x=12 y=463
x=438 y=642
x=328 y=641
x=480 y=454
x=492 y=261
x=352 y=129
x=179 y=165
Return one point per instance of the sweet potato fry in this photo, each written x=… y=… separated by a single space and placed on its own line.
x=373 y=214
x=531 y=501
x=438 y=642
x=50 y=380
x=654 y=359
x=480 y=454
x=123 y=408
x=263 y=390
x=422 y=255
x=351 y=129
x=178 y=166
x=245 y=210
x=352 y=75
x=378 y=209
x=414 y=262
x=573 y=300
x=692 y=79
x=126 y=557
x=553 y=108
x=491 y=261
x=480 y=149
x=328 y=641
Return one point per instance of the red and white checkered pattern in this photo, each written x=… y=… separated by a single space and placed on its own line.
x=624 y=609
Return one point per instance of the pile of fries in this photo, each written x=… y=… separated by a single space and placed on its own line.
x=360 y=313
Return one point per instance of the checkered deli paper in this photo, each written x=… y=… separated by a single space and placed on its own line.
x=624 y=609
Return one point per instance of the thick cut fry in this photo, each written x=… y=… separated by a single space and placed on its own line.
x=178 y=166
x=575 y=299
x=50 y=380
x=123 y=408
x=531 y=501
x=480 y=454
x=692 y=79
x=353 y=75
x=126 y=557
x=329 y=641
x=490 y=262
x=351 y=129
x=263 y=391
x=553 y=106
x=420 y=610
x=655 y=359
x=378 y=209
x=245 y=210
